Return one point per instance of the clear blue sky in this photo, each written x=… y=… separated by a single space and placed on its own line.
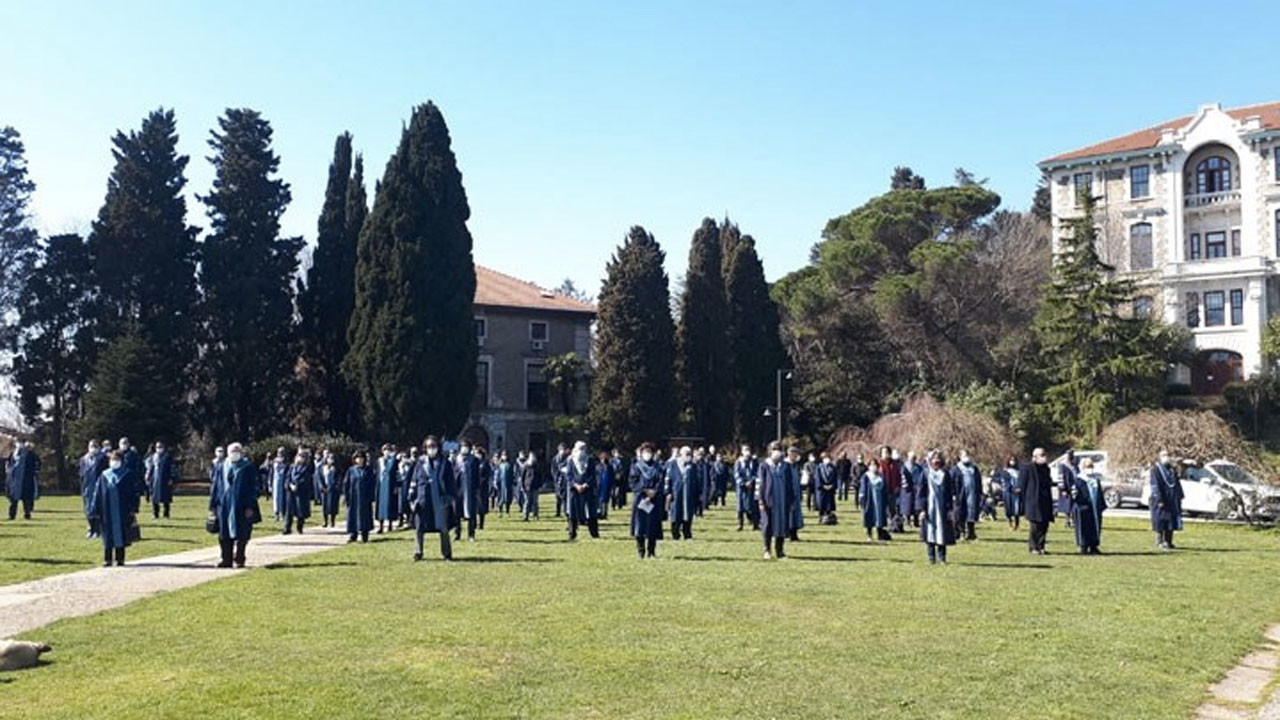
x=573 y=121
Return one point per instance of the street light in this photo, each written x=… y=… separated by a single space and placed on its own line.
x=782 y=374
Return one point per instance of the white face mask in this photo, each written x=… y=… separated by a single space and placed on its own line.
x=465 y=451
x=235 y=457
x=115 y=464
x=776 y=455
x=646 y=456
x=432 y=452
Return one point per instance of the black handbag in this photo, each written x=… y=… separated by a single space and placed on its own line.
x=133 y=533
x=211 y=525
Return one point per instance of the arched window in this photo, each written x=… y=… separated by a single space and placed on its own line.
x=1140 y=254
x=1213 y=175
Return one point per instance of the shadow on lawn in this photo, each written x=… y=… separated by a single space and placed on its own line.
x=42 y=561
x=308 y=566
x=833 y=558
x=516 y=561
x=1007 y=566
x=709 y=558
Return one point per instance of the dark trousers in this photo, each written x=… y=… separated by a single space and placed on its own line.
x=26 y=508
x=969 y=532
x=1164 y=538
x=1035 y=541
x=683 y=529
x=592 y=527
x=646 y=546
x=778 y=545
x=446 y=548
x=471 y=528
x=107 y=553
x=531 y=506
x=480 y=521
x=289 y=521
x=937 y=552
x=233 y=550
x=559 y=505
x=95 y=525
x=157 y=506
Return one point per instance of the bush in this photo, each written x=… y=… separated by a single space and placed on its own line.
x=341 y=445
x=923 y=425
x=1136 y=440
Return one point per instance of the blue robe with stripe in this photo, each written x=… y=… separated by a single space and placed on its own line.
x=112 y=506
x=1087 y=507
x=434 y=491
x=235 y=500
x=388 y=489
x=684 y=489
x=873 y=497
x=646 y=476
x=776 y=490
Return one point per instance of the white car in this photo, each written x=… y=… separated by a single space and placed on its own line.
x=1203 y=493
x=1260 y=500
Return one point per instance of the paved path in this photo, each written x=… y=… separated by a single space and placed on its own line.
x=1239 y=695
x=30 y=605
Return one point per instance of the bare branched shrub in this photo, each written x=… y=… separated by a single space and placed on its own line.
x=1202 y=436
x=925 y=424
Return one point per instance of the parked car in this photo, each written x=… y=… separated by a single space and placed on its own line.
x=1126 y=487
x=1116 y=488
x=1203 y=493
x=1259 y=500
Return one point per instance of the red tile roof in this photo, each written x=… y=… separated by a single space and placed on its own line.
x=1150 y=137
x=495 y=289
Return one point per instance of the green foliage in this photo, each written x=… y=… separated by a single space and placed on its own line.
x=904 y=179
x=1271 y=340
x=1253 y=403
x=413 y=346
x=755 y=339
x=341 y=445
x=18 y=240
x=564 y=374
x=129 y=396
x=633 y=395
x=246 y=273
x=144 y=253
x=1042 y=201
x=702 y=347
x=56 y=348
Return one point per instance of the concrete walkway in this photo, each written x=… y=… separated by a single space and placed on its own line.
x=31 y=605
x=1239 y=695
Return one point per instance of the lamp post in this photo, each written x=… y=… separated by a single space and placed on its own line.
x=782 y=374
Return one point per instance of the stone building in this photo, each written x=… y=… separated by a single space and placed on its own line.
x=1190 y=209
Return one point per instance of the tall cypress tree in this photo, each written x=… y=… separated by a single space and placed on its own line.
x=755 y=345
x=246 y=272
x=326 y=301
x=702 y=339
x=144 y=253
x=413 y=346
x=18 y=240
x=633 y=395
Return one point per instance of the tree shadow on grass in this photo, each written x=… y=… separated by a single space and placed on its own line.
x=530 y=541
x=308 y=566
x=43 y=561
x=483 y=560
x=1007 y=566
x=708 y=558
x=1131 y=553
x=834 y=558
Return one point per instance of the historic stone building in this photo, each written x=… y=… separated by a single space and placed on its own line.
x=519 y=325
x=1190 y=209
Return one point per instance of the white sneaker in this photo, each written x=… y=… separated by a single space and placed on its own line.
x=767 y=556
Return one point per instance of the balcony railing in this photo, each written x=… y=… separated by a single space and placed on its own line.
x=1209 y=199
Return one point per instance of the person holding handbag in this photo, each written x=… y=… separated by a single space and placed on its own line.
x=233 y=503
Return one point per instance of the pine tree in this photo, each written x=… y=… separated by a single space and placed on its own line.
x=18 y=239
x=755 y=345
x=56 y=346
x=633 y=394
x=144 y=253
x=246 y=273
x=413 y=346
x=1100 y=362
x=326 y=302
x=702 y=339
x=129 y=396
x=904 y=178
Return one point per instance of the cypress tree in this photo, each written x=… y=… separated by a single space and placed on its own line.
x=18 y=239
x=755 y=346
x=129 y=396
x=247 y=273
x=326 y=302
x=413 y=347
x=633 y=394
x=144 y=253
x=702 y=337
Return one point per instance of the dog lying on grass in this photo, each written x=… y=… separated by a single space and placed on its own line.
x=19 y=654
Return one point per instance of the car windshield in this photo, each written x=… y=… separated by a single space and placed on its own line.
x=1233 y=473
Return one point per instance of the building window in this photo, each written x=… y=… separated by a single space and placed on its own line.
x=538 y=331
x=1140 y=255
x=1278 y=233
x=1276 y=152
x=1142 y=306
x=1235 y=243
x=536 y=395
x=1193 y=310
x=1213 y=175
x=1083 y=183
x=1193 y=247
x=481 y=399
x=1237 y=307
x=1215 y=245
x=1140 y=181
x=1214 y=309
x=482 y=328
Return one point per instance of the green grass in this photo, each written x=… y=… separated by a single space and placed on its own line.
x=526 y=625
x=53 y=541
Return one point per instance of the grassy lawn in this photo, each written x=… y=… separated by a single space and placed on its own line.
x=53 y=541
x=526 y=625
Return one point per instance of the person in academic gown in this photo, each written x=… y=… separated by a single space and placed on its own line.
x=112 y=507
x=329 y=483
x=279 y=479
x=1067 y=471
x=873 y=498
x=797 y=510
x=360 y=488
x=1037 y=484
x=648 y=503
x=531 y=481
x=133 y=468
x=912 y=479
x=234 y=502
x=1087 y=504
x=825 y=480
x=388 y=471
x=91 y=466
x=777 y=496
x=557 y=476
x=1166 y=501
x=935 y=502
x=621 y=474
x=162 y=474
x=405 y=463
x=507 y=482
x=582 y=483
x=23 y=484
x=298 y=491
x=1012 y=493
x=718 y=477
x=968 y=485
x=683 y=491
x=486 y=486
x=471 y=491
x=432 y=500
x=746 y=472
x=844 y=475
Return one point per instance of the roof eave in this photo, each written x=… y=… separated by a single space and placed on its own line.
x=1060 y=163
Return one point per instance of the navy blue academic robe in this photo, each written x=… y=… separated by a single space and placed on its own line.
x=797 y=510
x=824 y=480
x=506 y=479
x=912 y=476
x=968 y=489
x=935 y=498
x=330 y=488
x=164 y=475
x=279 y=479
x=359 y=487
x=776 y=491
x=1037 y=494
x=873 y=497
x=582 y=490
x=112 y=507
x=131 y=463
x=24 y=476
x=300 y=489
x=745 y=475
x=684 y=489
x=235 y=500
x=1087 y=505
x=1066 y=481
x=1011 y=491
x=91 y=466
x=472 y=492
x=434 y=491
x=388 y=489
x=404 y=484
x=646 y=476
x=1165 y=499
